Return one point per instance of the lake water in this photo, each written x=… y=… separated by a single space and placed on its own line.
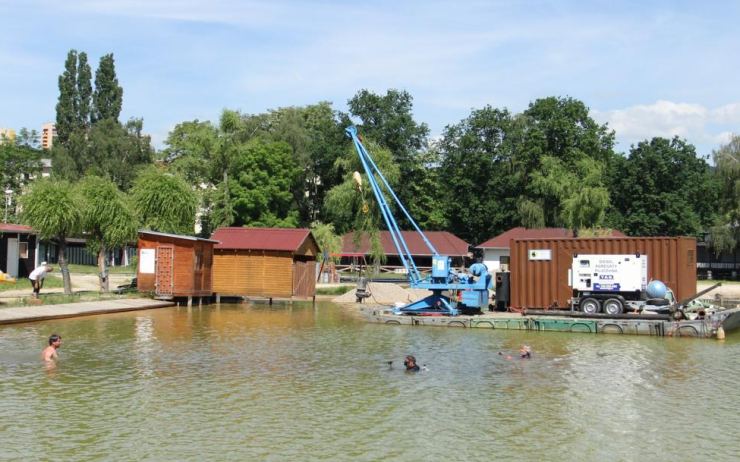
x=305 y=383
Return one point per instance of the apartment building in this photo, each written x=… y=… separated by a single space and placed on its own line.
x=48 y=133
x=7 y=134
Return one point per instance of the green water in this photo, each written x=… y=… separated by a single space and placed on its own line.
x=308 y=383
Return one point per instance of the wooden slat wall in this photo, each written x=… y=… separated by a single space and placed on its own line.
x=187 y=281
x=253 y=273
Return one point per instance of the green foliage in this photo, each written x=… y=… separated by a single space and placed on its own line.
x=481 y=183
x=16 y=162
x=663 y=189
x=107 y=217
x=263 y=176
x=388 y=120
x=108 y=96
x=350 y=208
x=67 y=105
x=84 y=93
x=329 y=242
x=563 y=153
x=725 y=233
x=52 y=208
x=164 y=202
x=108 y=149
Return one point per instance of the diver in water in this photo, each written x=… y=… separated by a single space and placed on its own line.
x=525 y=352
x=410 y=363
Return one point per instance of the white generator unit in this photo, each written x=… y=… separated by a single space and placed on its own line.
x=607 y=281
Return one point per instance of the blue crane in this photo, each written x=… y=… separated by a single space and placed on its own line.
x=452 y=291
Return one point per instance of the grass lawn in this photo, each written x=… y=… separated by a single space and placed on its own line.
x=59 y=299
x=338 y=290
x=25 y=284
x=93 y=269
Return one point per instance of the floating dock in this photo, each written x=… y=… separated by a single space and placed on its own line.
x=714 y=326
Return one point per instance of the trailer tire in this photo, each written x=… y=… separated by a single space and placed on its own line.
x=590 y=305
x=613 y=306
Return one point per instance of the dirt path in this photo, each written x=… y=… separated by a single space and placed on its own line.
x=81 y=282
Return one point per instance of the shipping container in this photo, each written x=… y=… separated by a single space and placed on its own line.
x=539 y=267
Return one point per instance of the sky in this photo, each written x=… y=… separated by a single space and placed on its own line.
x=647 y=68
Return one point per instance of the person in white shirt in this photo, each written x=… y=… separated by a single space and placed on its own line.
x=37 y=277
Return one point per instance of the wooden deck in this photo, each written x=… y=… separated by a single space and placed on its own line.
x=68 y=310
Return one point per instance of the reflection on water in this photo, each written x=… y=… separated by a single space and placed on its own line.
x=303 y=382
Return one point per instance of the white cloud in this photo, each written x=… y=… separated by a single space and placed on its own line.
x=696 y=123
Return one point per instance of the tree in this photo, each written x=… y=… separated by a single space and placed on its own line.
x=18 y=162
x=107 y=219
x=662 y=189
x=67 y=105
x=84 y=93
x=262 y=178
x=52 y=208
x=480 y=180
x=108 y=96
x=389 y=121
x=725 y=233
x=352 y=207
x=329 y=242
x=583 y=197
x=558 y=135
x=164 y=202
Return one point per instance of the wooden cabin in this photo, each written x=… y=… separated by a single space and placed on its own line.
x=172 y=265
x=265 y=262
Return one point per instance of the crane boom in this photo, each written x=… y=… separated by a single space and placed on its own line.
x=471 y=288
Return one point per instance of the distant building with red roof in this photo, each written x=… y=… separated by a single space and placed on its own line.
x=265 y=262
x=496 y=250
x=444 y=242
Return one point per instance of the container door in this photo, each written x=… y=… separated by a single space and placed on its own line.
x=12 y=257
x=165 y=282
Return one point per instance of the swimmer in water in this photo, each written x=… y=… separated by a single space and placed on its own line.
x=50 y=352
x=410 y=363
x=525 y=352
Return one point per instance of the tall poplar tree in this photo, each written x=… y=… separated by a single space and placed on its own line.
x=67 y=104
x=108 y=96
x=84 y=92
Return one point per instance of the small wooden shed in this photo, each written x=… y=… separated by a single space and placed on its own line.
x=17 y=250
x=265 y=262
x=172 y=265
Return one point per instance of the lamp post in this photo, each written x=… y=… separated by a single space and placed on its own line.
x=8 y=195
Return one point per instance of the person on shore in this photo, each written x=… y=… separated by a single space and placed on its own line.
x=37 y=277
x=410 y=363
x=50 y=352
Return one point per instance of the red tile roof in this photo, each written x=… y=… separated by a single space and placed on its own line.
x=502 y=240
x=444 y=242
x=12 y=228
x=285 y=239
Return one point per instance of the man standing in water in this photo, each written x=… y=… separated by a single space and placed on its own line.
x=50 y=353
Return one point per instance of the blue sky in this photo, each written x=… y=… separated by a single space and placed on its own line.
x=648 y=68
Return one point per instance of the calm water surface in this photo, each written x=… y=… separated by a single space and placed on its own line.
x=244 y=382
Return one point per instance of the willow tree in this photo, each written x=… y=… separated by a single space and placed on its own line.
x=107 y=218
x=52 y=208
x=164 y=202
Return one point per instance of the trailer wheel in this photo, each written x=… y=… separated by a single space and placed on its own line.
x=613 y=306
x=590 y=305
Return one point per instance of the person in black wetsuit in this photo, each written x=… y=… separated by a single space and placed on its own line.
x=410 y=363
